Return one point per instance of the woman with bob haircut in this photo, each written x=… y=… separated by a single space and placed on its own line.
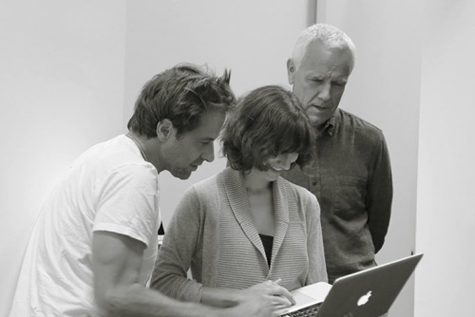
x=247 y=226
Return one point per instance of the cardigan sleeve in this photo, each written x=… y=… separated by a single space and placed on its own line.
x=316 y=256
x=175 y=254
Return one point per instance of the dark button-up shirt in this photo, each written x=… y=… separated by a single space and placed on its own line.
x=351 y=178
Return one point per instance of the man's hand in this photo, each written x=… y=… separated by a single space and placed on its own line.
x=278 y=295
x=259 y=306
x=263 y=299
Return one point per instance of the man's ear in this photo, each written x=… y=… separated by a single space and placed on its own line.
x=165 y=129
x=290 y=71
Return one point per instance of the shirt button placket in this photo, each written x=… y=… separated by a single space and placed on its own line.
x=315 y=177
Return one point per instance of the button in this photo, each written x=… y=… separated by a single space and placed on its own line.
x=314 y=183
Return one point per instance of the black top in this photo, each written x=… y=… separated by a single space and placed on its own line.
x=267 y=242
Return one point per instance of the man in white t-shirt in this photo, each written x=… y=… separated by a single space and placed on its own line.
x=94 y=246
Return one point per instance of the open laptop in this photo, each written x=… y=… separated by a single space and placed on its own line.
x=369 y=293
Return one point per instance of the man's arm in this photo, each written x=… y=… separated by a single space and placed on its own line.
x=380 y=195
x=117 y=261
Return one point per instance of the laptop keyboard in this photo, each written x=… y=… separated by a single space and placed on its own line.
x=310 y=311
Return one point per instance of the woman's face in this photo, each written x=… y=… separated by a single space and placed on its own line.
x=278 y=164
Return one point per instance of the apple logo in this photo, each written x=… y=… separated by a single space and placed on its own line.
x=364 y=299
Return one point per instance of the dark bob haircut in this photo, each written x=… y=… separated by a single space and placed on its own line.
x=267 y=122
x=181 y=94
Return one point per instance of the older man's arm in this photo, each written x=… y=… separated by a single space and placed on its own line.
x=380 y=195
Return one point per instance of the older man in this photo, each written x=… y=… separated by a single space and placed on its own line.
x=351 y=176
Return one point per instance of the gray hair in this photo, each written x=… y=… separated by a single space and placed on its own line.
x=329 y=35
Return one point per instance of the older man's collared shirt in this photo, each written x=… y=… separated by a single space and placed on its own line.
x=351 y=178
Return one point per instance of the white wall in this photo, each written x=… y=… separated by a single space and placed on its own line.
x=385 y=90
x=252 y=38
x=445 y=282
x=414 y=79
x=61 y=90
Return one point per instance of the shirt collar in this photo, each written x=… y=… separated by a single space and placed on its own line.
x=331 y=125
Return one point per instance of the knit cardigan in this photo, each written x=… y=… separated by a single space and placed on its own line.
x=212 y=233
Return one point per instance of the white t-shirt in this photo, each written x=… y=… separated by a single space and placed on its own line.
x=109 y=188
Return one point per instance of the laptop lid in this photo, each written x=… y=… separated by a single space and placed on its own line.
x=368 y=293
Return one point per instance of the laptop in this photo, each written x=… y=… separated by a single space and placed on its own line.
x=368 y=293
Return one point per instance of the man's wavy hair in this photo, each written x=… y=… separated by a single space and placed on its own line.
x=181 y=94
x=267 y=122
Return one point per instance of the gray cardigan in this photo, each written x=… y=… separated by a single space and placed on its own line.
x=212 y=233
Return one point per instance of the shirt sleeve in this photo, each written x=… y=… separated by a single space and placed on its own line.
x=127 y=202
x=177 y=251
x=380 y=194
